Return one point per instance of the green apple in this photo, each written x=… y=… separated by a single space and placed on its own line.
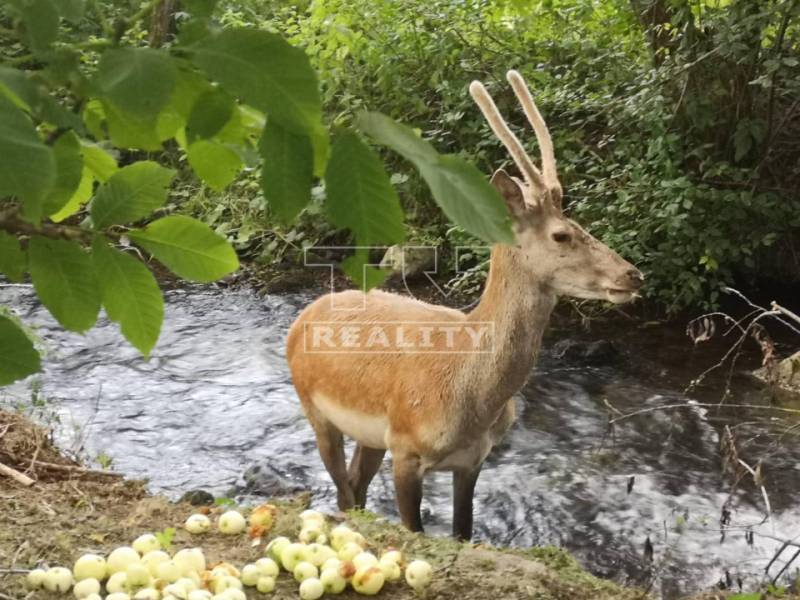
x=349 y=551
x=197 y=524
x=168 y=571
x=118 y=582
x=118 y=596
x=393 y=555
x=90 y=566
x=35 y=579
x=199 y=595
x=231 y=523
x=419 y=574
x=266 y=585
x=340 y=536
x=304 y=570
x=57 y=579
x=276 y=547
x=146 y=543
x=293 y=554
x=333 y=581
x=391 y=570
x=190 y=560
x=319 y=553
x=147 y=594
x=151 y=560
x=363 y=560
x=138 y=575
x=120 y=558
x=368 y=581
x=311 y=589
x=267 y=567
x=85 y=587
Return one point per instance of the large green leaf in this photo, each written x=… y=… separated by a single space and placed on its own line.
x=216 y=164
x=359 y=269
x=78 y=199
x=69 y=168
x=34 y=97
x=265 y=72
x=138 y=81
x=360 y=196
x=130 y=294
x=461 y=191
x=209 y=114
x=64 y=278
x=98 y=161
x=129 y=131
x=287 y=172
x=41 y=22
x=188 y=248
x=131 y=193
x=27 y=167
x=18 y=357
x=12 y=258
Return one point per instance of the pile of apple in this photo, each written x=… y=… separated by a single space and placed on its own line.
x=321 y=561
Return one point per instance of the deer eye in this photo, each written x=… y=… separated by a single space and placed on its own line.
x=562 y=237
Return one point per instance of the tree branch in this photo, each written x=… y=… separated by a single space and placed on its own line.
x=13 y=224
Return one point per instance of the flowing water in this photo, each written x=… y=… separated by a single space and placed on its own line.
x=214 y=409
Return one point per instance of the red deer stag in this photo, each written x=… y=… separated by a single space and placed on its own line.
x=438 y=395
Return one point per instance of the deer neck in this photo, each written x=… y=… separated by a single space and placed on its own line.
x=518 y=307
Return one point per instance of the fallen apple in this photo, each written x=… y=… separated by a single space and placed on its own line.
x=267 y=567
x=311 y=589
x=57 y=579
x=35 y=579
x=147 y=594
x=199 y=595
x=118 y=582
x=138 y=576
x=86 y=587
x=197 y=524
x=363 y=560
x=250 y=575
x=118 y=596
x=331 y=563
x=120 y=558
x=304 y=570
x=146 y=543
x=90 y=566
x=333 y=581
x=276 y=547
x=391 y=570
x=265 y=585
x=263 y=516
x=151 y=560
x=368 y=581
x=190 y=560
x=319 y=553
x=231 y=523
x=293 y=554
x=341 y=535
x=393 y=555
x=349 y=551
x=419 y=574
x=168 y=571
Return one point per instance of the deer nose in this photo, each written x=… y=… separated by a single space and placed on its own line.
x=635 y=278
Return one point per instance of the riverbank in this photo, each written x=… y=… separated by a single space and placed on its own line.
x=70 y=510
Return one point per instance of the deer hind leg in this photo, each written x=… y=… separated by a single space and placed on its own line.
x=408 y=489
x=463 y=492
x=330 y=442
x=363 y=466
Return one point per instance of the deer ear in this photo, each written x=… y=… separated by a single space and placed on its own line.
x=510 y=189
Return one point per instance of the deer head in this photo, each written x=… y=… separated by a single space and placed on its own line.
x=553 y=249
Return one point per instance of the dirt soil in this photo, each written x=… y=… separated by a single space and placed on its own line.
x=70 y=511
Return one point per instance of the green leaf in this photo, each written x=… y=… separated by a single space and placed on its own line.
x=138 y=81
x=94 y=115
x=71 y=10
x=288 y=171
x=209 y=114
x=80 y=197
x=462 y=192
x=188 y=248
x=367 y=276
x=69 y=168
x=33 y=97
x=130 y=295
x=131 y=193
x=18 y=357
x=360 y=195
x=265 y=72
x=41 y=22
x=98 y=161
x=129 y=131
x=216 y=164
x=64 y=278
x=28 y=168
x=12 y=258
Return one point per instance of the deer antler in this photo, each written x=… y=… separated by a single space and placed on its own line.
x=542 y=134
x=505 y=135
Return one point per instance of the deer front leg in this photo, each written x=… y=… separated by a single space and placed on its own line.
x=463 y=491
x=363 y=466
x=330 y=442
x=408 y=489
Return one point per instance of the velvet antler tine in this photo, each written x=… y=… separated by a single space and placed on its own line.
x=505 y=135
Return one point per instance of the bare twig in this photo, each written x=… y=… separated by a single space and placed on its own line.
x=692 y=404
x=16 y=475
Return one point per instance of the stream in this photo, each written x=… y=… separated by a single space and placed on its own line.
x=214 y=409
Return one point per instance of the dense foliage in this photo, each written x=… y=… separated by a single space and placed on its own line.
x=88 y=112
x=675 y=121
